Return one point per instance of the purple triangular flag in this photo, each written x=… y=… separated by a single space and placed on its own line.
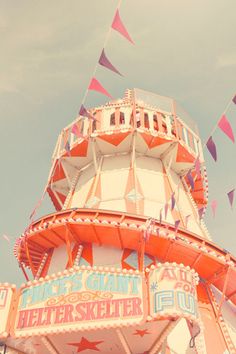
x=234 y=99
x=104 y=61
x=190 y=179
x=67 y=146
x=226 y=128
x=231 y=197
x=211 y=148
x=172 y=201
x=84 y=113
x=200 y=213
x=177 y=222
x=75 y=130
x=166 y=209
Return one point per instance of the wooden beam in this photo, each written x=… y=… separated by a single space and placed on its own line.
x=168 y=249
x=56 y=234
x=217 y=275
x=45 y=239
x=120 y=237
x=75 y=236
x=223 y=292
x=96 y=235
x=24 y=272
x=123 y=341
x=208 y=290
x=197 y=259
x=15 y=349
x=231 y=294
x=48 y=343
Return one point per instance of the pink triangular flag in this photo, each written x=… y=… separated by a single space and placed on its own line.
x=104 y=61
x=226 y=128
x=231 y=197
x=211 y=148
x=213 y=207
x=198 y=166
x=6 y=238
x=75 y=130
x=118 y=26
x=200 y=213
x=96 y=86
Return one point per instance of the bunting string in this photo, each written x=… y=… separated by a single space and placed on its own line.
x=94 y=85
x=225 y=126
x=118 y=26
x=223 y=113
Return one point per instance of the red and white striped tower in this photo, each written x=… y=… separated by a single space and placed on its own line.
x=125 y=263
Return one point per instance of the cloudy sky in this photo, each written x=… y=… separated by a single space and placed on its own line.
x=185 y=49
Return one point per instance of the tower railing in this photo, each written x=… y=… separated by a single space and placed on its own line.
x=140 y=110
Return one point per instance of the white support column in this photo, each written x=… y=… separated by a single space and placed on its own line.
x=162 y=337
x=94 y=155
x=123 y=341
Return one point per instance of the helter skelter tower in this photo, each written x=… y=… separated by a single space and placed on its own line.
x=126 y=264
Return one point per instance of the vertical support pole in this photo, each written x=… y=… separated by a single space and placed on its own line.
x=215 y=313
x=223 y=293
x=142 y=251
x=175 y=118
x=94 y=155
x=68 y=247
x=117 y=117
x=24 y=272
x=29 y=257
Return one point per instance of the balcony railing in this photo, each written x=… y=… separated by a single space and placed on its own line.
x=144 y=112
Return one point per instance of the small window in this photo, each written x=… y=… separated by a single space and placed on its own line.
x=112 y=119
x=122 y=118
x=138 y=119
x=94 y=125
x=146 y=121
x=155 y=122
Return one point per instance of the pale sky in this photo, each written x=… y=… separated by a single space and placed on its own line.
x=185 y=49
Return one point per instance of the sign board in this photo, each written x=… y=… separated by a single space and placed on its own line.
x=79 y=300
x=6 y=298
x=172 y=291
